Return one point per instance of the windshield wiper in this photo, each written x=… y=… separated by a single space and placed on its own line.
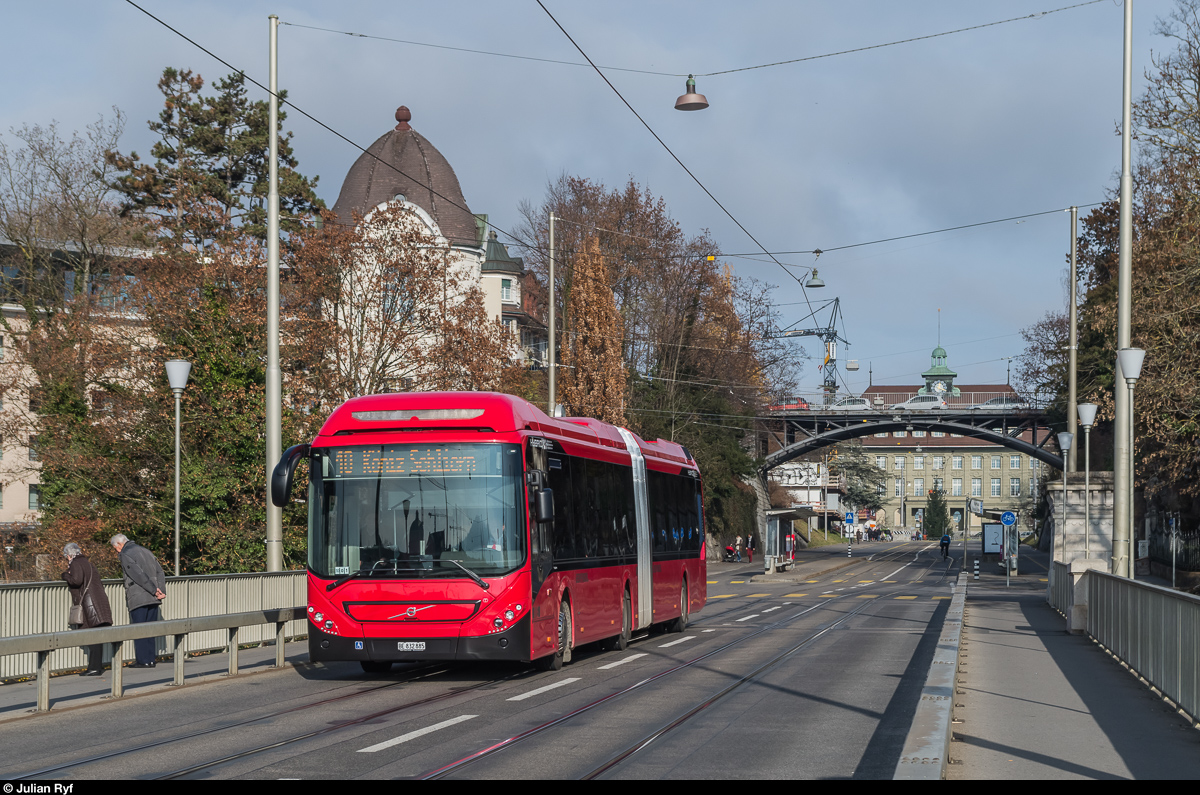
x=478 y=580
x=367 y=572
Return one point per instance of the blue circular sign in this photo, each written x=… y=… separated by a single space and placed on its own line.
x=1008 y=518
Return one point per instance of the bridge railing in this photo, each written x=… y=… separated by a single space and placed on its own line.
x=883 y=401
x=39 y=608
x=1153 y=630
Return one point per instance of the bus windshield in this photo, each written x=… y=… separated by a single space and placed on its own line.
x=403 y=511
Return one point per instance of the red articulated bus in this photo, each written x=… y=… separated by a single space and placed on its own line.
x=472 y=526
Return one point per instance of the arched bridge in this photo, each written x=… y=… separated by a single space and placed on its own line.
x=808 y=431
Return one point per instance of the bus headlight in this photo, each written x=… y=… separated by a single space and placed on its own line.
x=509 y=615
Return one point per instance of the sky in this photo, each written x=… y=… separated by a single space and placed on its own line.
x=1005 y=120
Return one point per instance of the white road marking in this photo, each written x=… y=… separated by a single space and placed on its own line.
x=547 y=688
x=708 y=630
x=776 y=607
x=747 y=618
x=415 y=734
x=630 y=658
x=676 y=642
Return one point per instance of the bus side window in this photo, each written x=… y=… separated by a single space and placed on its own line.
x=559 y=479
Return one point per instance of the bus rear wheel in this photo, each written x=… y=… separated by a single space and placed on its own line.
x=621 y=642
x=681 y=624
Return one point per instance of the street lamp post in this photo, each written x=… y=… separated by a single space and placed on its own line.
x=1087 y=417
x=177 y=376
x=1129 y=361
x=1065 y=440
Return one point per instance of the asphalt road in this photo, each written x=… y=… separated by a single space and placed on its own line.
x=784 y=678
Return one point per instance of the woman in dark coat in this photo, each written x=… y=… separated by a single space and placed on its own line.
x=87 y=591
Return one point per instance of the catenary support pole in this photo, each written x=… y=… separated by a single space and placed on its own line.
x=274 y=412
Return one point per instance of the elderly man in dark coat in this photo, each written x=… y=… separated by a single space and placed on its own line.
x=87 y=592
x=145 y=588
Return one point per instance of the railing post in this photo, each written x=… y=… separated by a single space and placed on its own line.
x=43 y=681
x=118 y=669
x=279 y=641
x=178 y=658
x=233 y=651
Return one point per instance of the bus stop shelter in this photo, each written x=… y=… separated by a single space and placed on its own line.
x=781 y=541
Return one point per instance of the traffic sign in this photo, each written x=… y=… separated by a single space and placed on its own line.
x=1008 y=518
x=849 y=517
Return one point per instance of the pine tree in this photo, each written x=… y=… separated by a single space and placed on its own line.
x=594 y=382
x=937 y=518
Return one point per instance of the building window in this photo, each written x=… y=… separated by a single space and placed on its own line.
x=881 y=461
x=899 y=487
x=938 y=484
x=995 y=487
x=881 y=435
x=1034 y=464
x=506 y=289
x=919 y=462
x=899 y=462
x=939 y=462
x=956 y=435
x=957 y=461
x=976 y=462
x=1014 y=462
x=900 y=434
x=33 y=452
x=35 y=498
x=956 y=486
x=881 y=490
x=976 y=487
x=1033 y=487
x=937 y=434
x=919 y=434
x=1014 y=487
x=918 y=487
x=995 y=462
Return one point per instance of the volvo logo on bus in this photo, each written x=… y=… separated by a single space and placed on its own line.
x=410 y=612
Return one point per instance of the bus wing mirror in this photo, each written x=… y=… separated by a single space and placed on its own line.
x=545 y=505
x=536 y=478
x=281 y=477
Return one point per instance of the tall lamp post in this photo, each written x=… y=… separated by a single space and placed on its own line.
x=1065 y=440
x=178 y=371
x=1130 y=361
x=1087 y=417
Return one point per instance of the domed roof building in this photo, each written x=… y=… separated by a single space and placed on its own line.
x=402 y=168
x=402 y=165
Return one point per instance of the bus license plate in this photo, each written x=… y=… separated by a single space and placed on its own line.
x=411 y=646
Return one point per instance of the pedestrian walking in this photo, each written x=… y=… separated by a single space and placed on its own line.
x=89 y=604
x=750 y=547
x=145 y=588
x=738 y=545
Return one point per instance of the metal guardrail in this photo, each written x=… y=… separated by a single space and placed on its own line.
x=1060 y=592
x=44 y=645
x=1154 y=630
x=883 y=401
x=43 y=607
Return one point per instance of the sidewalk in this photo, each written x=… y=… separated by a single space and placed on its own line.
x=1034 y=702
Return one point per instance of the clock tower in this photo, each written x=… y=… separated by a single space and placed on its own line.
x=939 y=379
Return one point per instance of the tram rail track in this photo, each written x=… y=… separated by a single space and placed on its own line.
x=422 y=673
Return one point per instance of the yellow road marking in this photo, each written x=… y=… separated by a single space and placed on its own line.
x=712 y=582
x=751 y=596
x=939 y=597
x=906 y=597
x=737 y=582
x=795 y=595
x=890 y=582
x=839 y=580
x=866 y=581
x=723 y=596
x=867 y=596
x=809 y=582
x=828 y=596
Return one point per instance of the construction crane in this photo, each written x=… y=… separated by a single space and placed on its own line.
x=830 y=336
